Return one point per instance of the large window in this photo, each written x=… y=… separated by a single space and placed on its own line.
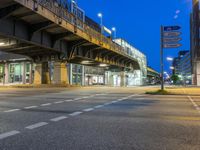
x=15 y=73
x=1 y=73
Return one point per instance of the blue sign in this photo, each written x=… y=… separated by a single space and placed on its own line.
x=171 y=28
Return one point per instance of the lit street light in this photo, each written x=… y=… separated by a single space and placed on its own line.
x=100 y=15
x=170 y=59
x=114 y=31
x=172 y=68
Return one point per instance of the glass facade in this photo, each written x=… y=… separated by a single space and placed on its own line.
x=77 y=74
x=94 y=75
x=28 y=72
x=2 y=73
x=15 y=72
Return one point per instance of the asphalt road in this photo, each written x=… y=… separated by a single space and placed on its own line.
x=97 y=119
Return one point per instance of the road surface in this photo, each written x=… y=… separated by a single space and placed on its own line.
x=97 y=118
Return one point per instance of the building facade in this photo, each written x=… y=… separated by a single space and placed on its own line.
x=182 y=67
x=15 y=69
x=195 y=45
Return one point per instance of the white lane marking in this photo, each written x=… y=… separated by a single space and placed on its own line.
x=78 y=99
x=46 y=104
x=121 y=99
x=88 y=109
x=100 y=94
x=139 y=98
x=85 y=97
x=108 y=103
x=59 y=102
x=8 y=134
x=99 y=106
x=37 y=125
x=30 y=107
x=58 y=118
x=194 y=104
x=76 y=113
x=69 y=100
x=11 y=110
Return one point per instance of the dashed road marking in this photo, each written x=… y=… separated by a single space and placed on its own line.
x=59 y=102
x=30 y=107
x=46 y=104
x=12 y=110
x=140 y=98
x=99 y=106
x=78 y=99
x=37 y=125
x=69 y=100
x=8 y=134
x=85 y=97
x=108 y=103
x=88 y=109
x=194 y=104
x=76 y=113
x=58 y=118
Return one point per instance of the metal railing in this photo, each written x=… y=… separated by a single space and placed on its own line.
x=59 y=10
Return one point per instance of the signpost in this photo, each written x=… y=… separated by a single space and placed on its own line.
x=171 y=34
x=172 y=28
x=169 y=39
x=172 y=40
x=171 y=45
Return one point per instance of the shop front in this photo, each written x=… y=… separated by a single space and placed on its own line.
x=76 y=74
x=94 y=76
x=19 y=73
x=2 y=74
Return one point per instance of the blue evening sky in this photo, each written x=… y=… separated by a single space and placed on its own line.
x=138 y=22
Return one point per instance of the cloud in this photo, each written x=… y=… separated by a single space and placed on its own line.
x=176 y=16
x=178 y=11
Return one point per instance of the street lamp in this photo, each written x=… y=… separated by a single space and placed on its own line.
x=170 y=59
x=100 y=15
x=114 y=31
x=172 y=68
x=2 y=43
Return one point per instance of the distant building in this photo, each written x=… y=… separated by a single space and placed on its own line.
x=153 y=77
x=182 y=67
x=195 y=45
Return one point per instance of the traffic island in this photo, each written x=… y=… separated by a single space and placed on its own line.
x=159 y=92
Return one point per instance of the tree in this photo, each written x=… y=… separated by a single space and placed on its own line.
x=175 y=78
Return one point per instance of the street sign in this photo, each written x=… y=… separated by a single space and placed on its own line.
x=171 y=34
x=172 y=40
x=171 y=28
x=176 y=45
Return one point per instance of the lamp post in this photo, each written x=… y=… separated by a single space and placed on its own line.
x=115 y=32
x=170 y=58
x=100 y=15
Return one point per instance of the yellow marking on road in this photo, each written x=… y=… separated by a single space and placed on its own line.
x=183 y=118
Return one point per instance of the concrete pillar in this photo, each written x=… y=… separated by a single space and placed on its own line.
x=123 y=79
x=31 y=73
x=6 y=73
x=41 y=74
x=24 y=73
x=60 y=74
x=198 y=73
x=38 y=74
x=45 y=73
x=83 y=75
x=111 y=79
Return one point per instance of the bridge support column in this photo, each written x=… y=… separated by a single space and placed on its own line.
x=41 y=74
x=123 y=79
x=60 y=75
x=198 y=73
